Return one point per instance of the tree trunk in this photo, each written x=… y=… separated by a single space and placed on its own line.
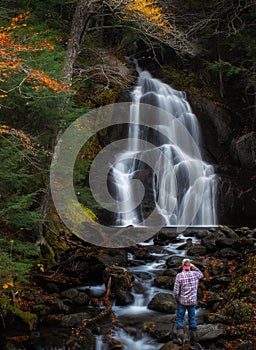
x=80 y=24
x=220 y=73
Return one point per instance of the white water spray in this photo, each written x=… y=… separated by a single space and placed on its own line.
x=180 y=201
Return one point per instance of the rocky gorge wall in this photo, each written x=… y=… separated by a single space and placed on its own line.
x=233 y=153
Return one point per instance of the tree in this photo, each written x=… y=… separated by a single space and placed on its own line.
x=225 y=32
x=13 y=43
x=145 y=18
x=21 y=177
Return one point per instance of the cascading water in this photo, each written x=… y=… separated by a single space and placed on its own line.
x=185 y=186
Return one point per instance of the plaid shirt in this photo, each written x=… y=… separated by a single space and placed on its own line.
x=185 y=286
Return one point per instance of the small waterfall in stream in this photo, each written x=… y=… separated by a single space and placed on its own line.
x=184 y=190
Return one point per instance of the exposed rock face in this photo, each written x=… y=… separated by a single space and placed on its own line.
x=243 y=150
x=209 y=112
x=234 y=160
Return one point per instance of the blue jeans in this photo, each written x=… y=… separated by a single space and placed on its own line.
x=181 y=310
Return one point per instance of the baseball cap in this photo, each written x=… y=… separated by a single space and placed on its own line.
x=186 y=262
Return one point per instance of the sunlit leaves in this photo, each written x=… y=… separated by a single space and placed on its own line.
x=13 y=45
x=147 y=11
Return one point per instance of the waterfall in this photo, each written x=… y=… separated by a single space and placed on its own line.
x=183 y=192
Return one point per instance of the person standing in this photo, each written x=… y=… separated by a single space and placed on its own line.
x=185 y=291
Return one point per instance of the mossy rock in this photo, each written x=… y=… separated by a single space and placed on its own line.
x=55 y=246
x=239 y=312
x=27 y=319
x=41 y=309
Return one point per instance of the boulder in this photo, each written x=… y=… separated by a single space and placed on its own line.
x=174 y=261
x=165 y=237
x=74 y=320
x=163 y=302
x=210 y=331
x=228 y=253
x=239 y=312
x=81 y=340
x=209 y=242
x=229 y=233
x=225 y=242
x=57 y=306
x=170 y=346
x=120 y=281
x=165 y=282
x=196 y=250
x=75 y=296
x=160 y=329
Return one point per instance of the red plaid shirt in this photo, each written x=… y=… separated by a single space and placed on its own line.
x=185 y=286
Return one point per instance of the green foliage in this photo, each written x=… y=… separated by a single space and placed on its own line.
x=243 y=283
x=227 y=43
x=225 y=67
x=19 y=186
x=16 y=260
x=185 y=80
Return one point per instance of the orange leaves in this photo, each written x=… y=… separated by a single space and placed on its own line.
x=7 y=285
x=43 y=79
x=19 y=134
x=4 y=129
x=20 y=18
x=147 y=11
x=12 y=61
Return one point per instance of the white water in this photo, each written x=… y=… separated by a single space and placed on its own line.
x=138 y=312
x=184 y=190
x=133 y=316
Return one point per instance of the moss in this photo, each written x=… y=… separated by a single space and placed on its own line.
x=27 y=317
x=41 y=309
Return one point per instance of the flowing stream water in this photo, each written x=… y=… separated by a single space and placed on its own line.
x=184 y=190
x=137 y=313
x=133 y=316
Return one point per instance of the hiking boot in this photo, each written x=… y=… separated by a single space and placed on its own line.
x=192 y=334
x=180 y=336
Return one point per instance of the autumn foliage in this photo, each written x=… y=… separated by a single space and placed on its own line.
x=12 y=61
x=147 y=12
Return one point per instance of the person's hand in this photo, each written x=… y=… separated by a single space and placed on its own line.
x=192 y=266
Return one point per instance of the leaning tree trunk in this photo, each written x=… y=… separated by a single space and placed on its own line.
x=79 y=28
x=80 y=24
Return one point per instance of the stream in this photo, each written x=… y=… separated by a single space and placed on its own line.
x=133 y=316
